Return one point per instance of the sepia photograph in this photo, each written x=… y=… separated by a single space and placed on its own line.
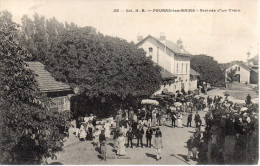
x=129 y=82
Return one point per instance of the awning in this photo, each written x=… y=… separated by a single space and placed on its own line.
x=149 y=101
x=194 y=73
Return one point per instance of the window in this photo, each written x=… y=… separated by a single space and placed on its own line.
x=150 y=49
x=177 y=67
x=238 y=69
x=186 y=68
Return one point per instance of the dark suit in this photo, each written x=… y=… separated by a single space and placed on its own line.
x=149 y=133
x=173 y=118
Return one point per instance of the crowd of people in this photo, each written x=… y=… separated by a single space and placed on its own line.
x=130 y=125
x=230 y=135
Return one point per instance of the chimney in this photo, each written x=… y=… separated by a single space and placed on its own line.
x=139 y=37
x=180 y=45
x=163 y=39
x=248 y=56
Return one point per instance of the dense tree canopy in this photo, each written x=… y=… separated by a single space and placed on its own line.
x=208 y=68
x=100 y=65
x=29 y=130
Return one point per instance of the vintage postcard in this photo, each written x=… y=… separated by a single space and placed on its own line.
x=129 y=82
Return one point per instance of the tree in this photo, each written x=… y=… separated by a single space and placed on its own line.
x=103 y=67
x=208 y=68
x=29 y=130
x=231 y=76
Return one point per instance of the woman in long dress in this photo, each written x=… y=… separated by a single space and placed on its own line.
x=90 y=129
x=121 y=145
x=107 y=129
x=179 y=120
x=154 y=120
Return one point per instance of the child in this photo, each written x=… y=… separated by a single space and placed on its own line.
x=96 y=135
x=164 y=117
x=82 y=133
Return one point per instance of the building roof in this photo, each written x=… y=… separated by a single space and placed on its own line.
x=193 y=72
x=169 y=45
x=46 y=82
x=173 y=46
x=238 y=63
x=166 y=75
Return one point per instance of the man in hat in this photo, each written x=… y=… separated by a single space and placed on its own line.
x=149 y=133
x=91 y=117
x=118 y=119
x=143 y=114
x=130 y=136
x=189 y=119
x=174 y=117
x=154 y=120
x=94 y=121
x=90 y=128
x=102 y=136
x=131 y=114
x=248 y=99
x=157 y=144
x=135 y=117
x=203 y=149
x=196 y=118
x=230 y=140
x=189 y=146
x=140 y=133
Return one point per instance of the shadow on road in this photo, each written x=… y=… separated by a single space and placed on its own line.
x=114 y=150
x=100 y=157
x=182 y=158
x=97 y=149
x=168 y=125
x=111 y=144
x=55 y=163
x=151 y=155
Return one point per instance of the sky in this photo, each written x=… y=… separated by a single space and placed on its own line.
x=226 y=36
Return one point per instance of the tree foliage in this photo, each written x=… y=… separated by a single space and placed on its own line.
x=208 y=68
x=29 y=130
x=102 y=66
x=231 y=75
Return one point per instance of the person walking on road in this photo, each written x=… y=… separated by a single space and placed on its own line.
x=140 y=133
x=248 y=99
x=189 y=146
x=121 y=145
x=196 y=118
x=158 y=145
x=149 y=133
x=174 y=118
x=189 y=120
x=102 y=140
x=130 y=136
